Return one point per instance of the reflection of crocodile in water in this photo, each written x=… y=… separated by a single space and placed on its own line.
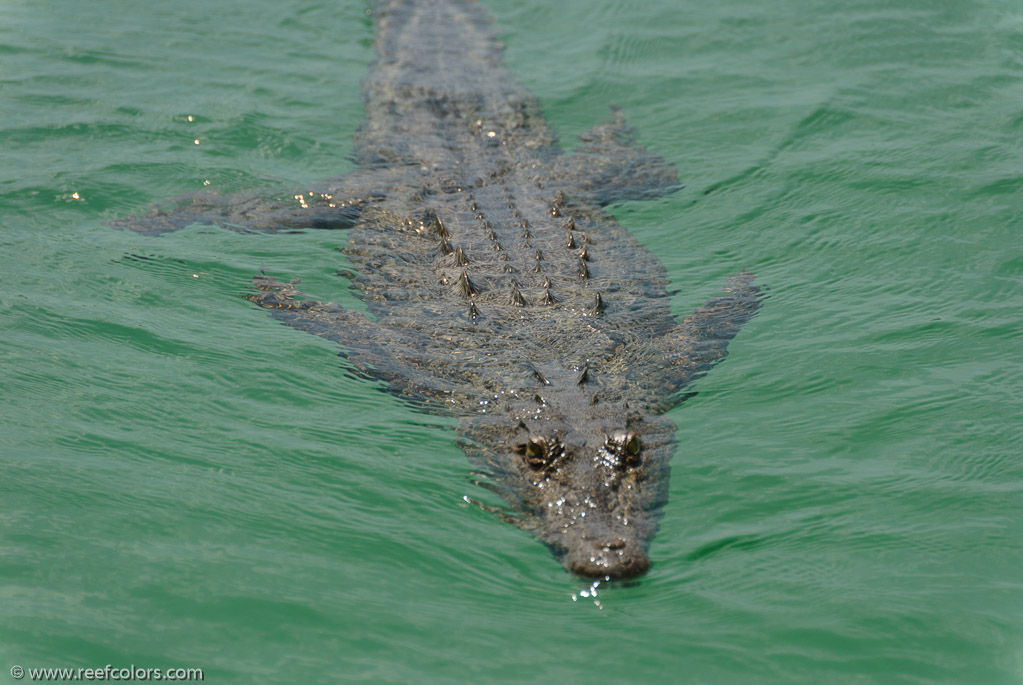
x=499 y=292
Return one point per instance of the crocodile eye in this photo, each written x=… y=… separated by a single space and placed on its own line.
x=534 y=448
x=632 y=449
x=626 y=446
x=536 y=452
x=632 y=445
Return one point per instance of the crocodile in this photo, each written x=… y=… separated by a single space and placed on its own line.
x=498 y=289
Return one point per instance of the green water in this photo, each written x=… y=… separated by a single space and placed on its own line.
x=186 y=483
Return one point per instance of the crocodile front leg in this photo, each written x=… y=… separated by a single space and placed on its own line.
x=376 y=350
x=693 y=346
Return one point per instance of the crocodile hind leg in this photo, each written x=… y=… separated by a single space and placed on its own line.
x=245 y=212
x=609 y=166
x=336 y=205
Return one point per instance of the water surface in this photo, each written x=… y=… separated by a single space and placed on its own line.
x=185 y=482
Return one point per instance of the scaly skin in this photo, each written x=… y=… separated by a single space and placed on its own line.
x=500 y=291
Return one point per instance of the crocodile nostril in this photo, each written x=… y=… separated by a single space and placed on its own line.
x=613 y=543
x=608 y=563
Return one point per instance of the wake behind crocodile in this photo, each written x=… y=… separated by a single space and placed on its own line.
x=499 y=289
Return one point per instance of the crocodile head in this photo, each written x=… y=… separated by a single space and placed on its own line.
x=591 y=486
